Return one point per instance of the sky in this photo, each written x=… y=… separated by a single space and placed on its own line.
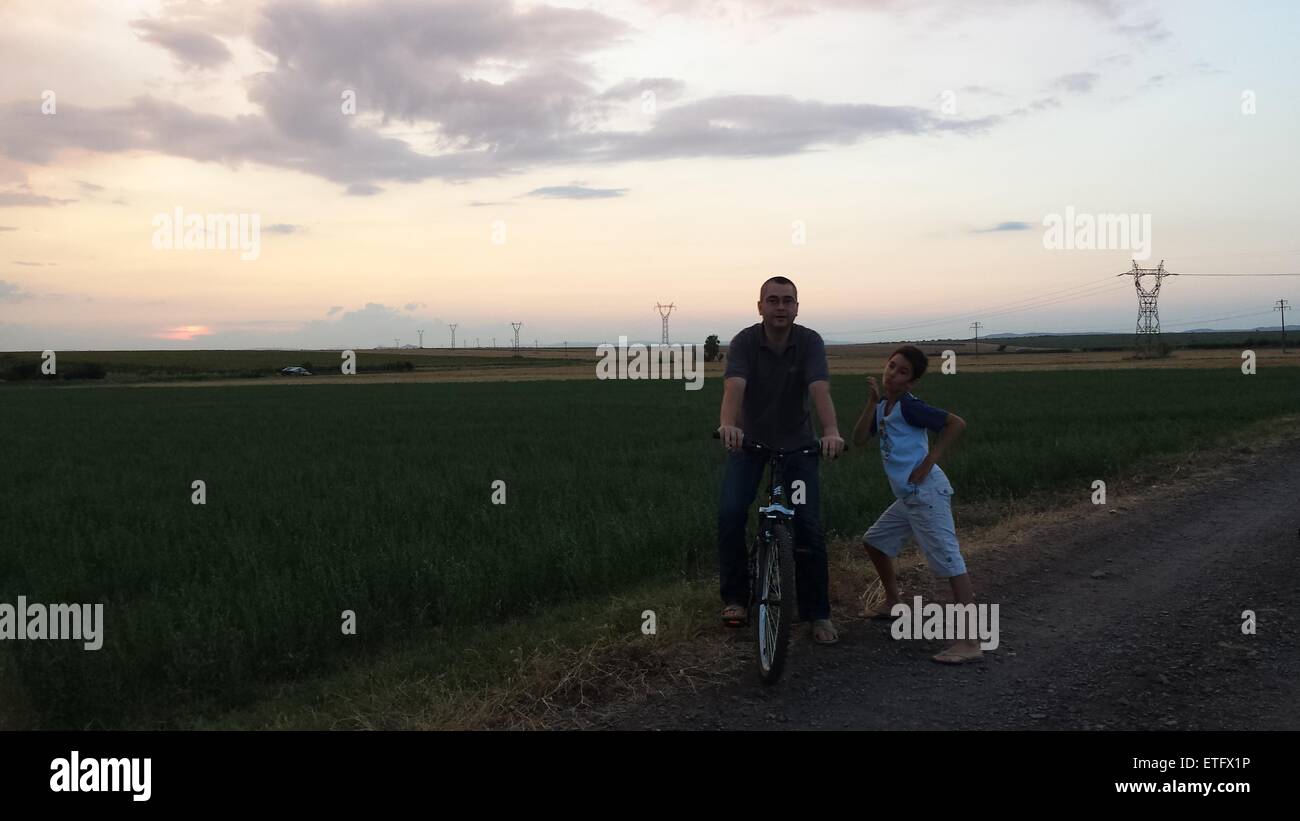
x=571 y=165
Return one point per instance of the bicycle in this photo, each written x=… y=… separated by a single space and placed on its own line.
x=772 y=593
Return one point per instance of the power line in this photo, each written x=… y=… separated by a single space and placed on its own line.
x=1007 y=312
x=1240 y=254
x=1088 y=289
x=1217 y=318
x=1239 y=275
x=936 y=320
x=1094 y=292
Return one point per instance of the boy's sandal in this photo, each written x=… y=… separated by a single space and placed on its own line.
x=954 y=657
x=734 y=615
x=880 y=611
x=823 y=632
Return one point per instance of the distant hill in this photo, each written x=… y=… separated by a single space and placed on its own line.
x=1009 y=335
x=1260 y=329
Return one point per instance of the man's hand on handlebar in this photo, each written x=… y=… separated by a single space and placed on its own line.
x=732 y=437
x=832 y=445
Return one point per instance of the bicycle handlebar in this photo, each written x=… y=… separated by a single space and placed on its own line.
x=755 y=446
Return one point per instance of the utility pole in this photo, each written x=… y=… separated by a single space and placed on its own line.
x=453 y=336
x=395 y=343
x=1282 y=306
x=976 y=326
x=421 y=333
x=516 y=326
x=664 y=311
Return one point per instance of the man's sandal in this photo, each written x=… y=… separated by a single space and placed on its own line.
x=823 y=632
x=734 y=615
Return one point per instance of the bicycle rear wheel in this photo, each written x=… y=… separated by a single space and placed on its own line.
x=775 y=602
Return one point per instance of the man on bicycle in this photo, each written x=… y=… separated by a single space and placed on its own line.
x=773 y=367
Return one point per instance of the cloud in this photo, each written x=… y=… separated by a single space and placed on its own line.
x=184 y=333
x=419 y=64
x=1004 y=226
x=32 y=264
x=765 y=126
x=1116 y=14
x=1150 y=29
x=191 y=48
x=664 y=88
x=1078 y=83
x=375 y=325
x=25 y=198
x=762 y=9
x=412 y=306
x=983 y=90
x=423 y=65
x=92 y=191
x=283 y=228
x=732 y=126
x=8 y=228
x=1035 y=107
x=575 y=192
x=10 y=292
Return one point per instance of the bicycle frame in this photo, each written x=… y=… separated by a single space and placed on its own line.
x=776 y=509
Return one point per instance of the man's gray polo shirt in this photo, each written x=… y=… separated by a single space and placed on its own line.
x=776 y=406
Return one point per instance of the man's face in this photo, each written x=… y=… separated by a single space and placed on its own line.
x=778 y=306
x=897 y=377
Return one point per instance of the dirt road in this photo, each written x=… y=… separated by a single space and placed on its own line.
x=1122 y=617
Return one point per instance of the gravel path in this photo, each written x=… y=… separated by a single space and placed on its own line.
x=1122 y=617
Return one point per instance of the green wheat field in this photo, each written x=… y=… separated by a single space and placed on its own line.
x=378 y=499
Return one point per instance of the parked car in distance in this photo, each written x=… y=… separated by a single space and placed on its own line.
x=295 y=371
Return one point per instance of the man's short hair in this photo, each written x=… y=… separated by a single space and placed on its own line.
x=779 y=281
x=915 y=357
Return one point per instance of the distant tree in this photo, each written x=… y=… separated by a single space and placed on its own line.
x=711 y=348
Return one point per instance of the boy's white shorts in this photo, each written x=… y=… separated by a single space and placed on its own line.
x=926 y=516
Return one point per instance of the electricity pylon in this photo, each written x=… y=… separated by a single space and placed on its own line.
x=664 y=311
x=1146 y=341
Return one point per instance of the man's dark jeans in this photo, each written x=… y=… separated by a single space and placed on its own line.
x=739 y=485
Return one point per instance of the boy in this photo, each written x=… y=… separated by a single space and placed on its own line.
x=923 y=506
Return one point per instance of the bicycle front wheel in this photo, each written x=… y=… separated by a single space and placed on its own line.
x=775 y=602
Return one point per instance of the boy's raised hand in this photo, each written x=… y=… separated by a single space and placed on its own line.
x=874 y=389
